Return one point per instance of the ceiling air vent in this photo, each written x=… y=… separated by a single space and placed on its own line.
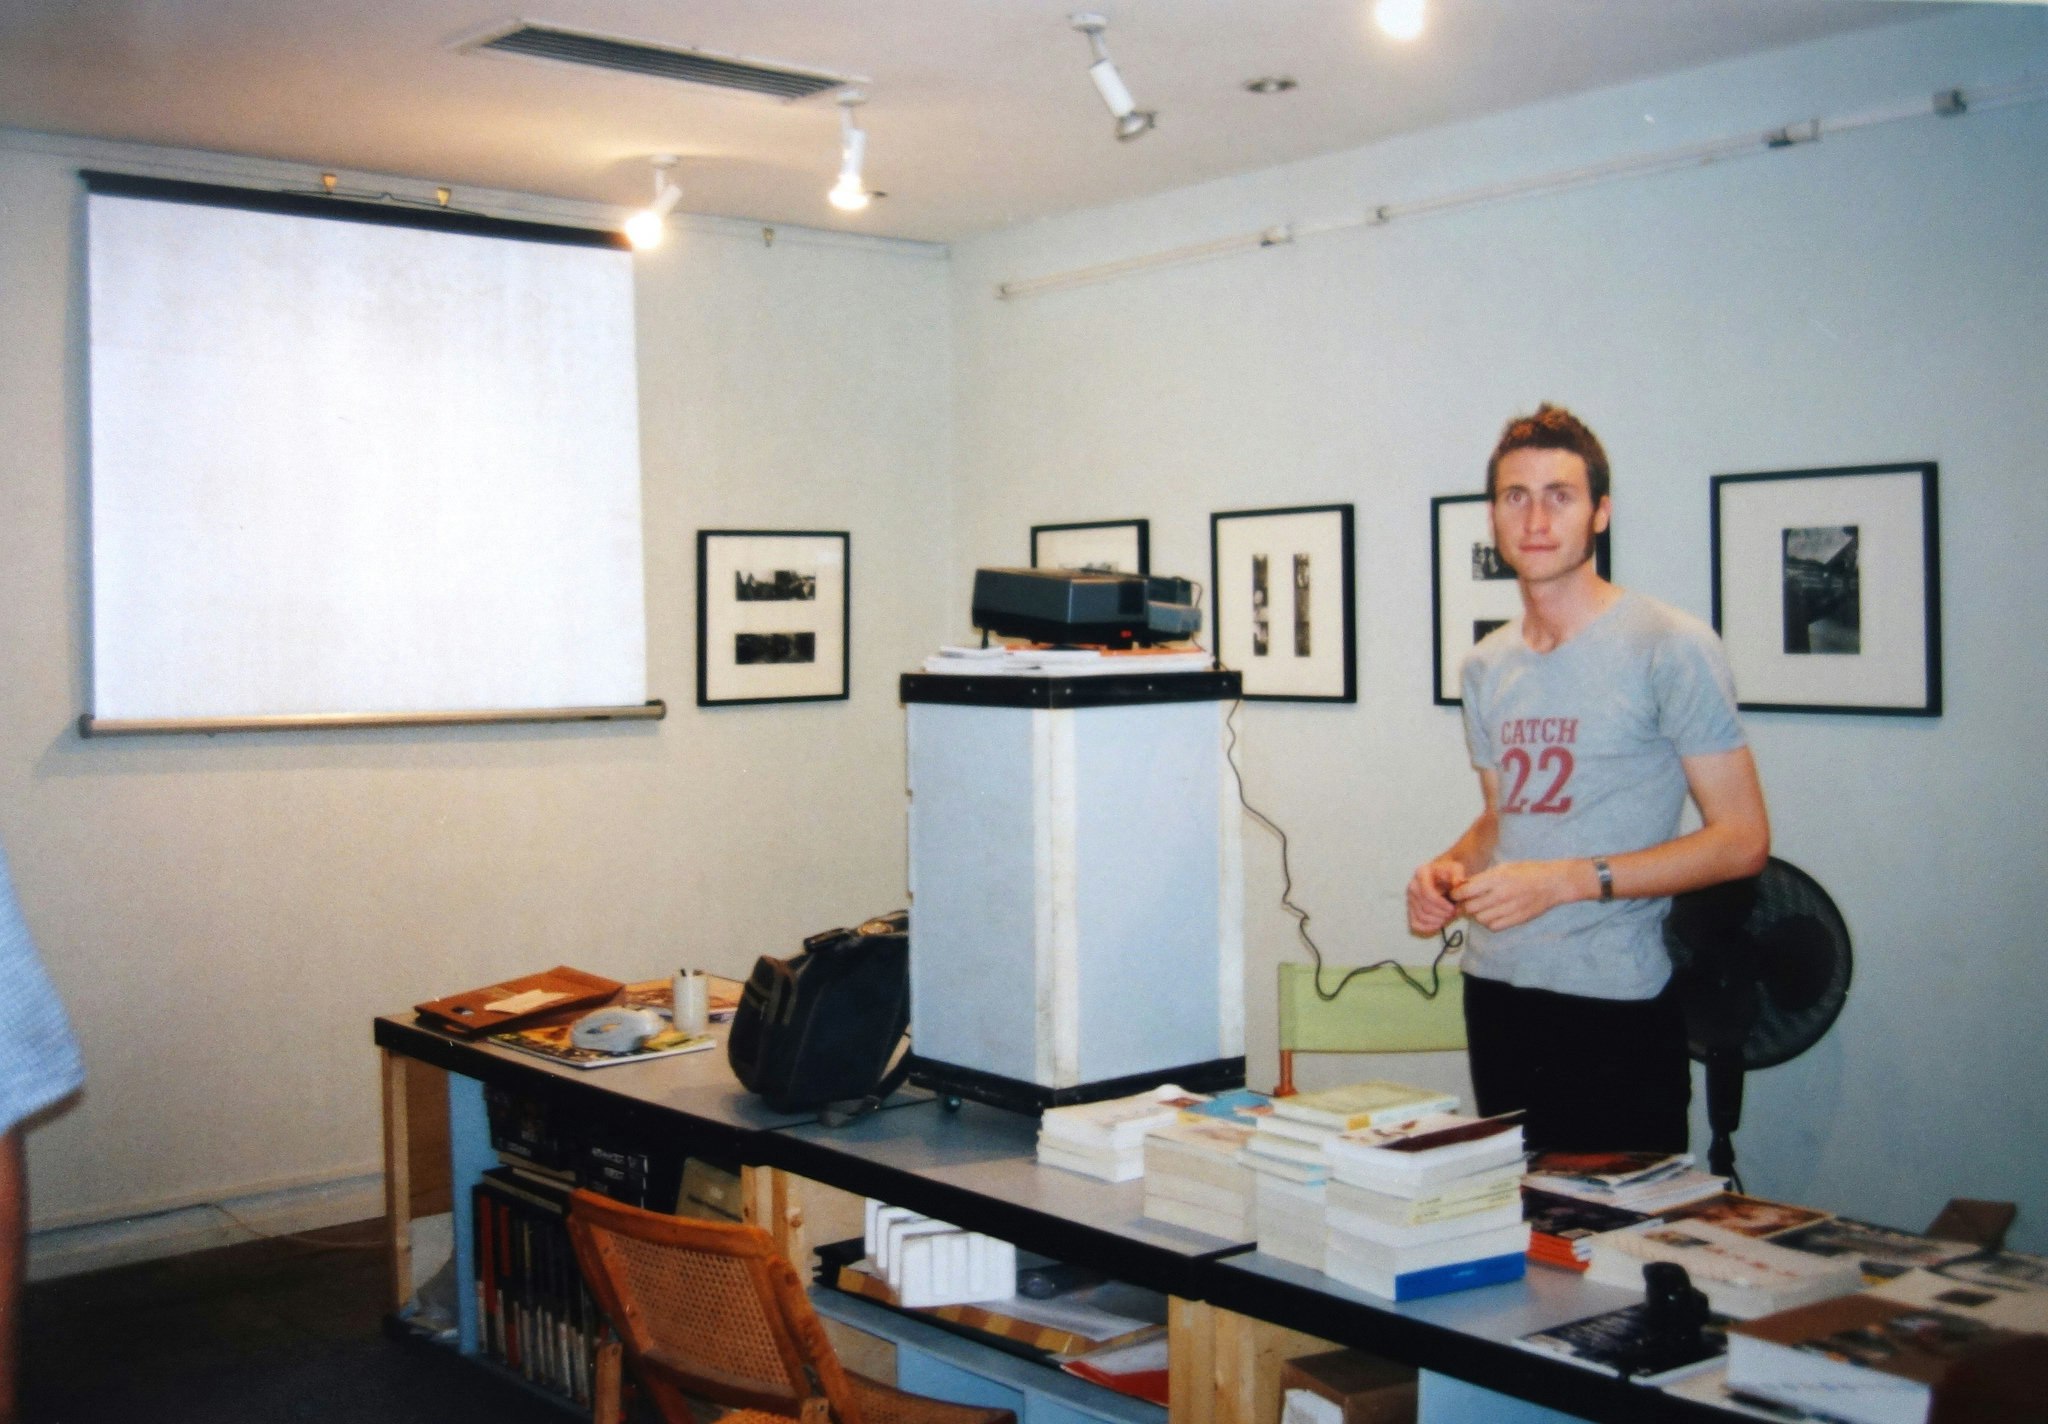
x=662 y=62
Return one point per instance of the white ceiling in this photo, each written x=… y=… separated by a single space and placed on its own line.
x=981 y=113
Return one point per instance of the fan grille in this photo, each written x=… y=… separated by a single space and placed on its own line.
x=1790 y=905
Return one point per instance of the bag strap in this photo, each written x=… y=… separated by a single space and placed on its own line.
x=852 y=1110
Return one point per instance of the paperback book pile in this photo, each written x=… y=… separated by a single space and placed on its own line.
x=1561 y=1229
x=1883 y=1252
x=1107 y=1139
x=1742 y=1276
x=1869 y=1360
x=1193 y=1177
x=1458 y=1174
x=926 y=1262
x=1646 y=1182
x=1747 y=1216
x=2003 y=1288
x=1289 y=1166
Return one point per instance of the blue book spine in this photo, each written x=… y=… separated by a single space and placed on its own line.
x=1236 y=1104
x=1460 y=1275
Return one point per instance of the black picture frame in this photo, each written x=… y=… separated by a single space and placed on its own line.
x=755 y=644
x=1245 y=542
x=1827 y=588
x=1471 y=586
x=1127 y=542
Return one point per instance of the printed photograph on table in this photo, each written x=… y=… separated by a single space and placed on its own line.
x=1282 y=604
x=772 y=616
x=1110 y=546
x=1827 y=589
x=1474 y=590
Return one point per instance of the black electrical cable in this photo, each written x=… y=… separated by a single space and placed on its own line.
x=1452 y=940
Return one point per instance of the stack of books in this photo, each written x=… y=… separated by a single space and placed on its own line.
x=1742 y=1276
x=1288 y=1162
x=926 y=1262
x=1645 y=1182
x=1471 y=1231
x=1561 y=1229
x=1107 y=1139
x=1193 y=1177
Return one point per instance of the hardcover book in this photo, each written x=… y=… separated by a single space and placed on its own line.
x=1622 y=1343
x=1868 y=1360
x=1745 y=1215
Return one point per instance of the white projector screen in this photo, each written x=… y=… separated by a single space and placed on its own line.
x=357 y=466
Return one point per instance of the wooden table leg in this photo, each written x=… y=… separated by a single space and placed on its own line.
x=1190 y=1362
x=397 y=1178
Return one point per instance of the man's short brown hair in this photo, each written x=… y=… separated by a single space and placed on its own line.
x=1552 y=427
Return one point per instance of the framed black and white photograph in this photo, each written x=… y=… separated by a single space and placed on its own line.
x=1474 y=589
x=1281 y=601
x=1827 y=589
x=1109 y=546
x=772 y=616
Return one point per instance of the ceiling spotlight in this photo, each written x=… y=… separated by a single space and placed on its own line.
x=1400 y=19
x=1130 y=119
x=850 y=194
x=646 y=228
x=1270 y=84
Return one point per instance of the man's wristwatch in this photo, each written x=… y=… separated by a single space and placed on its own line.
x=1606 y=874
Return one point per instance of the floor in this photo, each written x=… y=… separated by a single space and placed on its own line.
x=287 y=1330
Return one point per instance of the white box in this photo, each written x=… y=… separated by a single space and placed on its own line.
x=1076 y=886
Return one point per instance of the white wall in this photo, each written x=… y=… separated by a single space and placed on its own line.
x=225 y=915
x=1880 y=296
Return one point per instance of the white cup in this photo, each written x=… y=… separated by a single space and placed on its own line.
x=692 y=1001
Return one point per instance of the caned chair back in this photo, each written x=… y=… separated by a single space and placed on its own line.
x=709 y=1309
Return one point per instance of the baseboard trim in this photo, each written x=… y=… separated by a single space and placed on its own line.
x=69 y=1250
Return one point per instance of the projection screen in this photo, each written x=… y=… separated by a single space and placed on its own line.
x=382 y=464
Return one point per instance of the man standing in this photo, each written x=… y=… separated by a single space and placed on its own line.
x=1590 y=719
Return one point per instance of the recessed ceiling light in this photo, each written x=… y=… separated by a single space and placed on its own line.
x=1400 y=19
x=1270 y=84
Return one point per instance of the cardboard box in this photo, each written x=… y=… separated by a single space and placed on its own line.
x=1363 y=1388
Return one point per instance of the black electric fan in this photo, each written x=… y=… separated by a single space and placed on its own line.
x=1762 y=967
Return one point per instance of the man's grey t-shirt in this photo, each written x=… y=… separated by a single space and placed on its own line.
x=1586 y=739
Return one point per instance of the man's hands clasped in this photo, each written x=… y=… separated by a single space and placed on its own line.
x=1499 y=897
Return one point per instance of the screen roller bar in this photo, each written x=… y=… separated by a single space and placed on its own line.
x=91 y=726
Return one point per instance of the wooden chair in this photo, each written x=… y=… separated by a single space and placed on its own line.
x=710 y=1310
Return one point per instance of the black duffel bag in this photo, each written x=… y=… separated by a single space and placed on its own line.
x=820 y=1029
